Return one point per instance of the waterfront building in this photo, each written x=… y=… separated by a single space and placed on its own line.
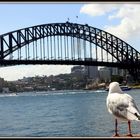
x=92 y=72
x=105 y=74
x=117 y=71
x=78 y=70
x=2 y=82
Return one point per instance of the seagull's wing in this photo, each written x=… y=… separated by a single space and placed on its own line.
x=132 y=110
x=122 y=106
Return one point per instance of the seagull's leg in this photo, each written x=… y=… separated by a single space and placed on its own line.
x=129 y=129
x=116 y=129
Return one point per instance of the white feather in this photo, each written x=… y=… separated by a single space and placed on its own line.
x=120 y=104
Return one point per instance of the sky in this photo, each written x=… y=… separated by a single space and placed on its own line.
x=120 y=19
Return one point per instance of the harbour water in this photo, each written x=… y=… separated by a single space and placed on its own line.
x=60 y=114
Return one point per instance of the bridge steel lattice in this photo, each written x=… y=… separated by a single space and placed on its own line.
x=67 y=43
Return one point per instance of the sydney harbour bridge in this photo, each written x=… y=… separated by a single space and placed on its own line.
x=67 y=43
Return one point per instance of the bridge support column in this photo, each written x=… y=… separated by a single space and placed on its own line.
x=1 y=48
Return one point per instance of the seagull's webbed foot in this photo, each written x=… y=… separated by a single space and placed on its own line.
x=116 y=135
x=129 y=135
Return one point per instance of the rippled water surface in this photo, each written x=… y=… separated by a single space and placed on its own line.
x=59 y=114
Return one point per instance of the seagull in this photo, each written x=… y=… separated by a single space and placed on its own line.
x=122 y=106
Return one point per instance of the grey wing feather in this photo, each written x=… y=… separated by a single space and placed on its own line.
x=123 y=106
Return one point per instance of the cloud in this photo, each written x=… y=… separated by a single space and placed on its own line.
x=127 y=15
x=18 y=72
x=129 y=26
x=97 y=9
x=123 y=30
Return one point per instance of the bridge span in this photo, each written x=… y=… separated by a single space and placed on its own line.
x=67 y=43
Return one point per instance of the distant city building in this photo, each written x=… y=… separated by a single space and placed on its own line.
x=92 y=72
x=117 y=71
x=78 y=70
x=105 y=74
x=1 y=83
x=5 y=90
x=114 y=71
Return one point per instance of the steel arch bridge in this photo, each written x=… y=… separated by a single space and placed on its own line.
x=67 y=43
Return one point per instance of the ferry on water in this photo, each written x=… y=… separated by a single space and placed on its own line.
x=124 y=88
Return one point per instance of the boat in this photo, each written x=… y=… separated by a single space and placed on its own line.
x=123 y=88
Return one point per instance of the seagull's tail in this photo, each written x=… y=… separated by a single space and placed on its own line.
x=138 y=116
x=133 y=115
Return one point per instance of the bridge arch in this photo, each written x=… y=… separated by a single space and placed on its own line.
x=126 y=56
